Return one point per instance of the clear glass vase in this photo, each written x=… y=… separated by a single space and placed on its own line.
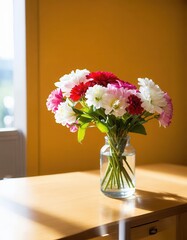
x=117 y=167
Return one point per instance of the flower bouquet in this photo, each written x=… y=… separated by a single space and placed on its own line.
x=84 y=99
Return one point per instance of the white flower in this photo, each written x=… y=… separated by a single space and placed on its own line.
x=65 y=114
x=151 y=95
x=94 y=96
x=68 y=81
x=115 y=100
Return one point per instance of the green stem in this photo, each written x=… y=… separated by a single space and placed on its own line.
x=116 y=175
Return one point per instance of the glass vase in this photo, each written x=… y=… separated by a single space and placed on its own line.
x=117 y=167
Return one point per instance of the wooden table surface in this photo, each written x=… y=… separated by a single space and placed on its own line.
x=71 y=204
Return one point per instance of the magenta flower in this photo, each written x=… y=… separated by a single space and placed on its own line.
x=166 y=116
x=54 y=99
x=73 y=127
x=122 y=84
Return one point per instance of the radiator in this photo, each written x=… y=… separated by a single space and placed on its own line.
x=12 y=154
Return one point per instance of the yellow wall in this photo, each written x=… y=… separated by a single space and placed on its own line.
x=129 y=38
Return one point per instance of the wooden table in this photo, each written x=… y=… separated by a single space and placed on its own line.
x=71 y=206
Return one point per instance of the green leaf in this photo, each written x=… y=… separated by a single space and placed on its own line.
x=138 y=129
x=83 y=120
x=77 y=111
x=102 y=127
x=86 y=115
x=82 y=132
x=87 y=109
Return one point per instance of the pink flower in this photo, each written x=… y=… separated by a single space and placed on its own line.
x=166 y=116
x=114 y=100
x=72 y=127
x=54 y=99
x=122 y=84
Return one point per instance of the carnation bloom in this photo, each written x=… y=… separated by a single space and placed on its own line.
x=134 y=106
x=78 y=91
x=54 y=99
x=166 y=116
x=115 y=100
x=122 y=84
x=102 y=78
x=65 y=114
x=152 y=96
x=83 y=98
x=68 y=81
x=94 y=96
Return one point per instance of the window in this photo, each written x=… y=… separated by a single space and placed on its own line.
x=12 y=88
x=6 y=64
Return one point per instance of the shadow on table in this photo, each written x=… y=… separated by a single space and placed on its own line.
x=155 y=201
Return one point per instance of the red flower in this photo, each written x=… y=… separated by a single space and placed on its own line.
x=78 y=91
x=102 y=78
x=134 y=107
